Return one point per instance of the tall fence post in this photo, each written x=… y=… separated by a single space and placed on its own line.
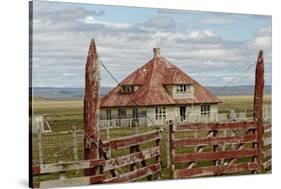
x=258 y=107
x=171 y=149
x=91 y=107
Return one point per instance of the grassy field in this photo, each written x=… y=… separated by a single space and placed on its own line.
x=62 y=115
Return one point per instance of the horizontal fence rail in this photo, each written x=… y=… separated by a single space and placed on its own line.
x=205 y=149
x=139 y=163
x=62 y=168
x=267 y=152
x=123 y=159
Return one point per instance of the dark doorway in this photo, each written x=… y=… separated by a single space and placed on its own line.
x=183 y=113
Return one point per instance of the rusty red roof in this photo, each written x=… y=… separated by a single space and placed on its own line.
x=152 y=79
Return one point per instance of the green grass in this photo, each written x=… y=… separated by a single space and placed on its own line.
x=62 y=115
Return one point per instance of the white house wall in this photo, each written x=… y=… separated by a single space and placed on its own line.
x=172 y=112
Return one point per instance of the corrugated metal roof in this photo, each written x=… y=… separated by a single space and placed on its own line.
x=152 y=79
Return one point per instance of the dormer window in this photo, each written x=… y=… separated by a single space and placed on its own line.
x=182 y=88
x=127 y=88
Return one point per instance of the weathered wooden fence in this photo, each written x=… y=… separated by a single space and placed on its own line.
x=63 y=168
x=136 y=165
x=195 y=149
x=213 y=149
x=267 y=152
x=124 y=159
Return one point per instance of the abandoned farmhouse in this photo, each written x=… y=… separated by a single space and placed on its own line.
x=157 y=92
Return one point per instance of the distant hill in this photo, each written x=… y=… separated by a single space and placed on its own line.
x=237 y=90
x=78 y=93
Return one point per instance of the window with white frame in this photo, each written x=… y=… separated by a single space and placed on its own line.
x=121 y=113
x=108 y=114
x=160 y=112
x=182 y=88
x=205 y=109
x=127 y=88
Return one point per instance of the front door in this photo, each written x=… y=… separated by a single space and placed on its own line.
x=183 y=113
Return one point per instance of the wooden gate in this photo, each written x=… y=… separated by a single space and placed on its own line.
x=141 y=159
x=64 y=168
x=213 y=149
x=123 y=159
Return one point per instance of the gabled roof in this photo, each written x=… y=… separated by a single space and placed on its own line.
x=152 y=79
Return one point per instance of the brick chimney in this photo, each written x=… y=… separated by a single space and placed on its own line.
x=156 y=52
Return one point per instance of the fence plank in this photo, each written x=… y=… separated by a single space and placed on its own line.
x=215 y=170
x=125 y=142
x=77 y=181
x=267 y=164
x=216 y=126
x=137 y=174
x=66 y=166
x=188 y=142
x=267 y=153
x=267 y=141
x=182 y=158
x=267 y=127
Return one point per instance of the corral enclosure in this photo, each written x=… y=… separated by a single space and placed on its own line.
x=63 y=115
x=74 y=150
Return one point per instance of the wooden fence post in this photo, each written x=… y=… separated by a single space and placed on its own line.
x=107 y=129
x=91 y=107
x=40 y=146
x=258 y=107
x=171 y=149
x=74 y=143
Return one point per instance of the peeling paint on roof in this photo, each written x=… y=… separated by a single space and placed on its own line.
x=152 y=79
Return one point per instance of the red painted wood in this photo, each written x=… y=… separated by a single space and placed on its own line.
x=171 y=149
x=216 y=126
x=125 y=142
x=182 y=158
x=36 y=185
x=258 y=106
x=188 y=142
x=215 y=170
x=267 y=127
x=97 y=179
x=91 y=107
x=135 y=175
x=36 y=169
x=131 y=158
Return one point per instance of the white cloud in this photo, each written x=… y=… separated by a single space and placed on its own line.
x=201 y=34
x=264 y=38
x=61 y=45
x=160 y=22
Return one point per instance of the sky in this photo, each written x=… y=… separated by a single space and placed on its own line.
x=213 y=48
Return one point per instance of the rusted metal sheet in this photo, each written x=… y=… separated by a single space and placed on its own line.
x=215 y=126
x=151 y=79
x=66 y=166
x=258 y=106
x=215 y=170
x=126 y=142
x=131 y=158
x=136 y=175
x=181 y=158
x=188 y=142
x=91 y=106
